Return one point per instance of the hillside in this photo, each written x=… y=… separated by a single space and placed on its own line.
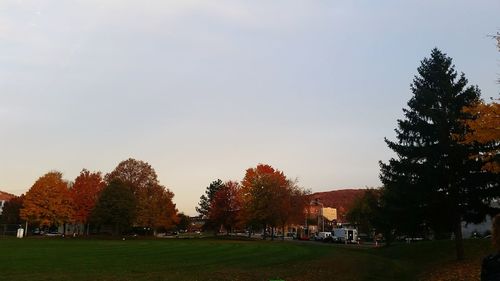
x=342 y=199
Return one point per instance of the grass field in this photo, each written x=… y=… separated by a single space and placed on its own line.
x=211 y=259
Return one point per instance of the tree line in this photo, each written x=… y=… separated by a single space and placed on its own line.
x=130 y=195
x=445 y=172
x=264 y=200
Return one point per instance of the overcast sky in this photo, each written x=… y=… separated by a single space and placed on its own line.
x=206 y=89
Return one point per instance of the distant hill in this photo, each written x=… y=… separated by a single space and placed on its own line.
x=342 y=199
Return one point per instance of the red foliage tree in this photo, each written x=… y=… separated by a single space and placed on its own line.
x=85 y=192
x=226 y=206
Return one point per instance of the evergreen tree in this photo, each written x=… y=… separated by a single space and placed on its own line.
x=204 y=205
x=434 y=181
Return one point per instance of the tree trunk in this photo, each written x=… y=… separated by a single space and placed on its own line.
x=272 y=233
x=459 y=242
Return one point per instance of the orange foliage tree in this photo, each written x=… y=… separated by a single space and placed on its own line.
x=84 y=193
x=155 y=208
x=225 y=207
x=485 y=130
x=48 y=202
x=270 y=199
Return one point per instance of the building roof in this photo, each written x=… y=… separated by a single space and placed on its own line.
x=4 y=196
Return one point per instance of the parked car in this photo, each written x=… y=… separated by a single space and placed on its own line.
x=37 y=231
x=53 y=233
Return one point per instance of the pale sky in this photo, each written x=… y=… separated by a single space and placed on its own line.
x=206 y=89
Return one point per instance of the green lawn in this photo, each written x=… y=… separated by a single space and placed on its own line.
x=211 y=259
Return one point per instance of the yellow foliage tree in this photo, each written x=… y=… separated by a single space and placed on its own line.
x=485 y=130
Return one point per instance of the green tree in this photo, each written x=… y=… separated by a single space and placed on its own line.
x=434 y=181
x=11 y=211
x=364 y=211
x=155 y=208
x=183 y=222
x=203 y=207
x=370 y=214
x=116 y=207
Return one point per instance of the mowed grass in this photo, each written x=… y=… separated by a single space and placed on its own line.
x=212 y=259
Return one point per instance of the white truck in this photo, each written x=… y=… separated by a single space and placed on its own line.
x=322 y=235
x=345 y=235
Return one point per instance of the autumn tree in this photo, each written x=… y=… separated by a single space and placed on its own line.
x=138 y=174
x=48 y=202
x=269 y=198
x=484 y=130
x=85 y=192
x=260 y=191
x=434 y=181
x=11 y=211
x=294 y=204
x=203 y=207
x=116 y=207
x=155 y=208
x=225 y=206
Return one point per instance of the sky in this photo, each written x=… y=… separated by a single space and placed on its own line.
x=203 y=90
